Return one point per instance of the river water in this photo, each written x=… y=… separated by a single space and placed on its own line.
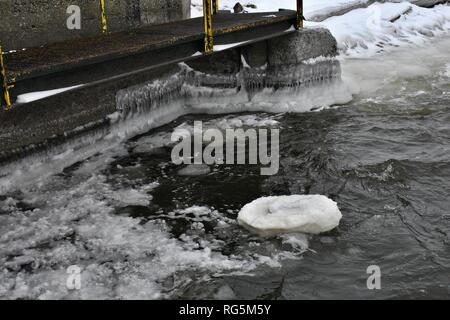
x=138 y=229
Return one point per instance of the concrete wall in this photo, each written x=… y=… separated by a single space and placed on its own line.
x=27 y=23
x=275 y=63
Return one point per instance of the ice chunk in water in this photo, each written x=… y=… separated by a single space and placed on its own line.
x=311 y=214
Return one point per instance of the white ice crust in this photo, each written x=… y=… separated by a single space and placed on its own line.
x=312 y=214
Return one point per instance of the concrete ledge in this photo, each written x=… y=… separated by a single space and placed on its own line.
x=51 y=121
x=300 y=46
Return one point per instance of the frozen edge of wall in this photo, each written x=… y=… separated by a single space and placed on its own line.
x=66 y=128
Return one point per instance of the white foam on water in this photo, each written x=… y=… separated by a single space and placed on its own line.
x=298 y=241
x=446 y=72
x=383 y=75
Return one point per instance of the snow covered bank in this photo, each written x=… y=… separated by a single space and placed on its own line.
x=386 y=26
x=312 y=214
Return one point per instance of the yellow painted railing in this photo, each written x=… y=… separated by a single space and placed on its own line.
x=5 y=86
x=103 y=13
x=215 y=6
x=5 y=99
x=300 y=18
x=210 y=7
x=207 y=18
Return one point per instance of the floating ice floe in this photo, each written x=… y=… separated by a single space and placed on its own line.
x=312 y=214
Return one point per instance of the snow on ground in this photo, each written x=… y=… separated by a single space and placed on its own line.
x=312 y=214
x=381 y=27
x=311 y=7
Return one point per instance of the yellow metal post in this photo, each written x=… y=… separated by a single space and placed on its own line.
x=5 y=84
x=104 y=22
x=207 y=19
x=299 y=22
x=215 y=6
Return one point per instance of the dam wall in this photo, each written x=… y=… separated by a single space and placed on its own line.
x=30 y=23
x=235 y=80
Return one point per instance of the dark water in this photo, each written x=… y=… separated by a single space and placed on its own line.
x=384 y=158
x=388 y=171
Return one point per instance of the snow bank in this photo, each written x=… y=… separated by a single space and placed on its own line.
x=312 y=214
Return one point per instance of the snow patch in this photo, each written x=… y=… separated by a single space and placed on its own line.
x=33 y=96
x=222 y=47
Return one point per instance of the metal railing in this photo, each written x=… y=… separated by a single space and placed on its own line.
x=5 y=86
x=210 y=8
x=207 y=19
x=300 y=17
x=104 y=22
